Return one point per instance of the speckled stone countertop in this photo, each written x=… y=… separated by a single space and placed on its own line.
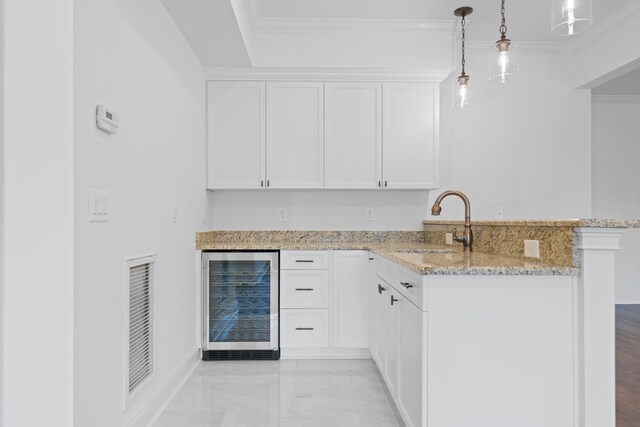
x=584 y=222
x=405 y=248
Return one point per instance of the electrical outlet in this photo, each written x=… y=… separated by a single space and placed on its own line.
x=369 y=215
x=449 y=238
x=500 y=212
x=532 y=249
x=282 y=214
x=174 y=218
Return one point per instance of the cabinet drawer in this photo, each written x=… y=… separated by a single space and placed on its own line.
x=304 y=328
x=304 y=288
x=304 y=260
x=409 y=284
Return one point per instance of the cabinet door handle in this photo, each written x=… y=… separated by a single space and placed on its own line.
x=304 y=329
x=393 y=299
x=262 y=183
x=304 y=260
x=379 y=184
x=381 y=289
x=406 y=285
x=304 y=289
x=386 y=184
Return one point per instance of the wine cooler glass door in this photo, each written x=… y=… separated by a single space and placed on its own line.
x=242 y=300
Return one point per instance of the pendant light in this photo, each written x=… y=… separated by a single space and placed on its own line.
x=461 y=89
x=504 y=64
x=570 y=17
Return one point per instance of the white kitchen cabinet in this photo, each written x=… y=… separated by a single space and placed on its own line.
x=302 y=328
x=353 y=135
x=380 y=303
x=295 y=135
x=412 y=388
x=236 y=135
x=349 y=307
x=410 y=135
x=304 y=289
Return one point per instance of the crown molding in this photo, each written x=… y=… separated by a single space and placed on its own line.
x=608 y=26
x=353 y=26
x=326 y=74
x=615 y=99
x=533 y=48
x=346 y=26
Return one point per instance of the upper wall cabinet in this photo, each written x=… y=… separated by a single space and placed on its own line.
x=236 y=135
x=353 y=135
x=295 y=135
x=410 y=135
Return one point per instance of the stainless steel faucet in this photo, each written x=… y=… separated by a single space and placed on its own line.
x=467 y=237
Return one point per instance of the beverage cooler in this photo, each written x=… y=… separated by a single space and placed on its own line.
x=240 y=306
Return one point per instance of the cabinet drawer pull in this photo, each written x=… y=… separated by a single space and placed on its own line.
x=381 y=289
x=304 y=289
x=393 y=299
x=304 y=260
x=406 y=285
x=304 y=329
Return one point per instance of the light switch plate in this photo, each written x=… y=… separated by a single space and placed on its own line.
x=99 y=206
x=532 y=249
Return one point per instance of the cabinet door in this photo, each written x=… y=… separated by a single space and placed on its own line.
x=235 y=135
x=393 y=341
x=380 y=307
x=412 y=393
x=295 y=135
x=353 y=135
x=410 y=135
x=349 y=308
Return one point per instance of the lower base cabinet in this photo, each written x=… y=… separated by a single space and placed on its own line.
x=398 y=346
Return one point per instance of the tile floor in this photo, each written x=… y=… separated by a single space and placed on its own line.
x=285 y=393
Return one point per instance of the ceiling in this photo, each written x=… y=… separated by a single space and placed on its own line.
x=353 y=33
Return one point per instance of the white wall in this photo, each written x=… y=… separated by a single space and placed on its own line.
x=318 y=209
x=523 y=146
x=131 y=56
x=615 y=174
x=38 y=213
x=2 y=298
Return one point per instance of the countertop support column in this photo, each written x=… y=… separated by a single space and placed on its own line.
x=596 y=319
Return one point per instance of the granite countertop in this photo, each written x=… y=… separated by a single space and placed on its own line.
x=578 y=222
x=423 y=258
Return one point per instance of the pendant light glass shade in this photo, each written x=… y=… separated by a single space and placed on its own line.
x=461 y=94
x=504 y=61
x=570 y=17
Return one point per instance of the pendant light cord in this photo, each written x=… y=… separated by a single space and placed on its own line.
x=503 y=23
x=463 y=40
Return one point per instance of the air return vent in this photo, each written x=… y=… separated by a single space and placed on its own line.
x=140 y=321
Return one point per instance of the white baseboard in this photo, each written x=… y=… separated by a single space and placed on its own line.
x=325 y=353
x=151 y=410
x=628 y=298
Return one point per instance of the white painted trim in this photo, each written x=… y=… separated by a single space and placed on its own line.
x=608 y=26
x=615 y=99
x=326 y=74
x=628 y=298
x=151 y=410
x=325 y=353
x=346 y=26
x=524 y=47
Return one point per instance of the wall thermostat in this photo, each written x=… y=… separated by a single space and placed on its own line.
x=106 y=119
